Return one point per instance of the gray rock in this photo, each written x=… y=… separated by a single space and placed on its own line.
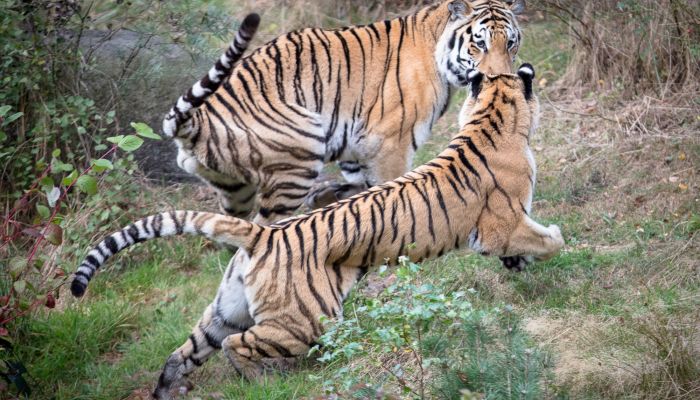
x=141 y=76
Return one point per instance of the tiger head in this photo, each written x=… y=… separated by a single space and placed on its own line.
x=513 y=88
x=480 y=34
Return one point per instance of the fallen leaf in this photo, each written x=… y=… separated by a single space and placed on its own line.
x=673 y=179
x=683 y=187
x=54 y=234
x=682 y=156
x=50 y=301
x=538 y=148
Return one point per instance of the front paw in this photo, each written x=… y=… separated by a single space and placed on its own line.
x=322 y=196
x=516 y=263
x=555 y=234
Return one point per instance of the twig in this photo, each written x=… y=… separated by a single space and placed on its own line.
x=598 y=115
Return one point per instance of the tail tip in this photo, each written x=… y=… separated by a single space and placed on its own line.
x=77 y=288
x=251 y=21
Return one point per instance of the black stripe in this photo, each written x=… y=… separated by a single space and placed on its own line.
x=211 y=341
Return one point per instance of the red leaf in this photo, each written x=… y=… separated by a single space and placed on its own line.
x=50 y=301
x=4 y=332
x=54 y=234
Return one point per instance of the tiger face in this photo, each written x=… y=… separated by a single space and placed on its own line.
x=480 y=34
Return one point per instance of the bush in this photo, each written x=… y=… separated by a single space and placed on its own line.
x=414 y=332
x=633 y=46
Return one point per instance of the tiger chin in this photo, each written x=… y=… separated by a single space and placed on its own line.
x=477 y=193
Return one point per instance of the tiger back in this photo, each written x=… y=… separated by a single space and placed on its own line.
x=476 y=193
x=363 y=96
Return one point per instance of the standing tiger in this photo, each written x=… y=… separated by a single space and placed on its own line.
x=364 y=96
x=475 y=193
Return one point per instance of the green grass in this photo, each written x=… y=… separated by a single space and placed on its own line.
x=129 y=322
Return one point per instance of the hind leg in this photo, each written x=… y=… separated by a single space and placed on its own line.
x=227 y=315
x=236 y=199
x=285 y=193
x=246 y=350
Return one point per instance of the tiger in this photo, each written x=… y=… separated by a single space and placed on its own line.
x=259 y=132
x=477 y=193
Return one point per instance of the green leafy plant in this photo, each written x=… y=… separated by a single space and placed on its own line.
x=33 y=279
x=413 y=331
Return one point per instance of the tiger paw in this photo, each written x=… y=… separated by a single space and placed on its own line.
x=322 y=195
x=330 y=192
x=515 y=263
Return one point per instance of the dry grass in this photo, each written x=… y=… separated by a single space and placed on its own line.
x=634 y=46
x=652 y=356
x=624 y=176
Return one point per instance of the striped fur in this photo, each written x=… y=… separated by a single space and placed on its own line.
x=182 y=110
x=476 y=193
x=363 y=96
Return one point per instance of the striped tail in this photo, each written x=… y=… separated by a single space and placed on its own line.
x=220 y=228
x=198 y=93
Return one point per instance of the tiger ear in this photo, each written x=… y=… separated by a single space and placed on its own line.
x=458 y=10
x=526 y=72
x=517 y=7
x=475 y=77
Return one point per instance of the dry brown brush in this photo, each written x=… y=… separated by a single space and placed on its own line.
x=632 y=46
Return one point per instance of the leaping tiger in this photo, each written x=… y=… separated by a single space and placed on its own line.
x=364 y=96
x=475 y=193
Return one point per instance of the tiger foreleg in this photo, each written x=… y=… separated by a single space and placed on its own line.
x=530 y=239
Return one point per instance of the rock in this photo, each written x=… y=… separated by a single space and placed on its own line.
x=141 y=76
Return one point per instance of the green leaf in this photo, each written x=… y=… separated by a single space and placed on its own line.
x=101 y=147
x=130 y=143
x=19 y=286
x=43 y=211
x=46 y=183
x=115 y=139
x=12 y=117
x=145 y=130
x=59 y=166
x=87 y=184
x=4 y=110
x=3 y=136
x=102 y=165
x=17 y=266
x=81 y=130
x=68 y=180
x=56 y=153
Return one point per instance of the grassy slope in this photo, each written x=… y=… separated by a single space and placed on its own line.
x=629 y=271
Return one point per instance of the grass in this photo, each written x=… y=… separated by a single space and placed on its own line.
x=617 y=310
